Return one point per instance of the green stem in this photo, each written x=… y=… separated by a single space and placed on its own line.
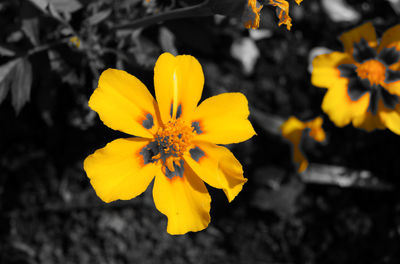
x=201 y=9
x=47 y=46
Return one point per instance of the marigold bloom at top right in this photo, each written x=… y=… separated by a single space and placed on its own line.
x=363 y=82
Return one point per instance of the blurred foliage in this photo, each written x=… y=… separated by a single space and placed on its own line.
x=51 y=55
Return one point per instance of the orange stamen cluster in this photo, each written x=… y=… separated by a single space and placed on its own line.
x=372 y=70
x=175 y=137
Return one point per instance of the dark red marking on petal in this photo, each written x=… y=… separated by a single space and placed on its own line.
x=389 y=56
x=196 y=153
x=362 y=51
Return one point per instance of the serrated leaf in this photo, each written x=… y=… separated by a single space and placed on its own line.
x=21 y=84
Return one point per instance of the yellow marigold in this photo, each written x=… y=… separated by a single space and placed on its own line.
x=75 y=41
x=363 y=82
x=176 y=141
x=294 y=130
x=283 y=11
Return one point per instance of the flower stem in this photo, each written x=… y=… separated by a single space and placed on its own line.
x=201 y=9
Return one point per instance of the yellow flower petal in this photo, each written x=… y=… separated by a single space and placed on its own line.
x=218 y=167
x=368 y=122
x=338 y=105
x=365 y=31
x=185 y=201
x=124 y=103
x=325 y=72
x=117 y=171
x=292 y=130
x=391 y=38
x=178 y=83
x=393 y=88
x=222 y=119
x=315 y=127
x=390 y=117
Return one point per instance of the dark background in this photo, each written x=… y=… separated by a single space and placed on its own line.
x=49 y=213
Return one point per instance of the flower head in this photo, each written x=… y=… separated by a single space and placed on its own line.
x=363 y=82
x=294 y=130
x=175 y=144
x=75 y=41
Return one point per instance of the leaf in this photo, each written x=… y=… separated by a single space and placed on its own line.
x=343 y=177
x=5 y=73
x=340 y=11
x=6 y=52
x=66 y=6
x=17 y=76
x=99 y=17
x=41 y=4
x=30 y=22
x=270 y=123
x=167 y=41
x=30 y=26
x=21 y=84
x=395 y=5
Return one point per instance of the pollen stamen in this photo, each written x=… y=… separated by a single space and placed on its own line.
x=175 y=137
x=373 y=70
x=172 y=140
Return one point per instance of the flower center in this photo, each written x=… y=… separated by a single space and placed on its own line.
x=175 y=137
x=372 y=70
x=172 y=140
x=169 y=145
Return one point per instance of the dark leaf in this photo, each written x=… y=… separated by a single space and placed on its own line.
x=281 y=200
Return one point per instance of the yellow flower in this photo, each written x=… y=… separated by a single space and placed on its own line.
x=75 y=41
x=363 y=82
x=176 y=141
x=294 y=130
x=283 y=9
